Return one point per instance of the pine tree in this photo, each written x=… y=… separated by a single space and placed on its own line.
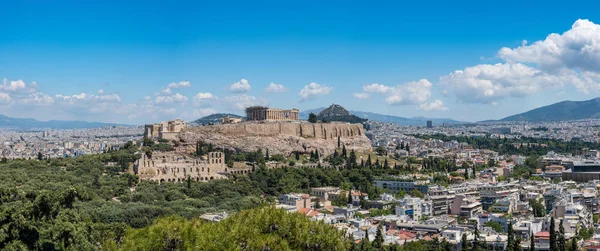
x=369 y=163
x=574 y=246
x=562 y=245
x=531 y=242
x=339 y=142
x=362 y=163
x=517 y=246
x=553 y=246
x=463 y=241
x=365 y=244
x=378 y=242
x=475 y=240
x=407 y=149
x=267 y=157
x=317 y=154
x=344 y=153
x=40 y=156
x=510 y=241
x=349 y=197
x=386 y=164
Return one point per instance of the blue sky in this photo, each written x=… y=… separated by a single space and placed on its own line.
x=113 y=61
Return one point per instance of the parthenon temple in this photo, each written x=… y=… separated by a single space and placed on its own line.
x=255 y=113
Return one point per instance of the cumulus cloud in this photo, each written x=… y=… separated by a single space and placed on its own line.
x=182 y=84
x=203 y=98
x=175 y=98
x=376 y=88
x=577 y=48
x=488 y=83
x=436 y=105
x=18 y=86
x=239 y=87
x=38 y=98
x=272 y=88
x=100 y=91
x=361 y=95
x=313 y=90
x=5 y=98
x=240 y=102
x=411 y=93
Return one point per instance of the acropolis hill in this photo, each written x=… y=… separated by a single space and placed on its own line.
x=280 y=137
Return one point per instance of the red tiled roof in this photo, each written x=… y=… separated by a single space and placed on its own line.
x=542 y=235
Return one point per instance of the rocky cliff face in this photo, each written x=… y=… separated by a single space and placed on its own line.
x=280 y=137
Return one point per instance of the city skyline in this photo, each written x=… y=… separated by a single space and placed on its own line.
x=131 y=64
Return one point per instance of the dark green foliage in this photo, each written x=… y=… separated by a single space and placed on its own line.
x=521 y=146
x=258 y=229
x=553 y=246
x=562 y=243
x=312 y=118
x=378 y=242
x=494 y=225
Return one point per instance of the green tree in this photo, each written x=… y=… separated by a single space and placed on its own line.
x=562 y=245
x=553 y=246
x=463 y=241
x=573 y=246
x=378 y=242
x=531 y=241
x=40 y=156
x=312 y=118
x=510 y=241
x=416 y=193
x=494 y=225
x=476 y=237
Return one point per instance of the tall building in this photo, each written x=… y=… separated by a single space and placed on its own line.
x=429 y=124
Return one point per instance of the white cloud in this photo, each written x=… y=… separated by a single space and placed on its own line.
x=242 y=86
x=272 y=87
x=18 y=86
x=577 y=48
x=5 y=98
x=203 y=98
x=488 y=83
x=182 y=84
x=436 y=105
x=313 y=90
x=38 y=98
x=361 y=95
x=411 y=93
x=376 y=88
x=100 y=91
x=240 y=102
x=175 y=98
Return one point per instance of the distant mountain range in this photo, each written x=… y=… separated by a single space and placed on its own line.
x=27 y=123
x=561 y=111
x=415 y=121
x=214 y=118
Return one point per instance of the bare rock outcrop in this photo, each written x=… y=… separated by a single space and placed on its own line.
x=279 y=137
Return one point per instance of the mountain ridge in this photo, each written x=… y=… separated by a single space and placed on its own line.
x=560 y=111
x=30 y=123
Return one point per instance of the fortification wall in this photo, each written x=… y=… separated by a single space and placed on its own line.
x=280 y=137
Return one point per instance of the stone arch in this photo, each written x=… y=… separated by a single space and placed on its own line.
x=212 y=178
x=162 y=181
